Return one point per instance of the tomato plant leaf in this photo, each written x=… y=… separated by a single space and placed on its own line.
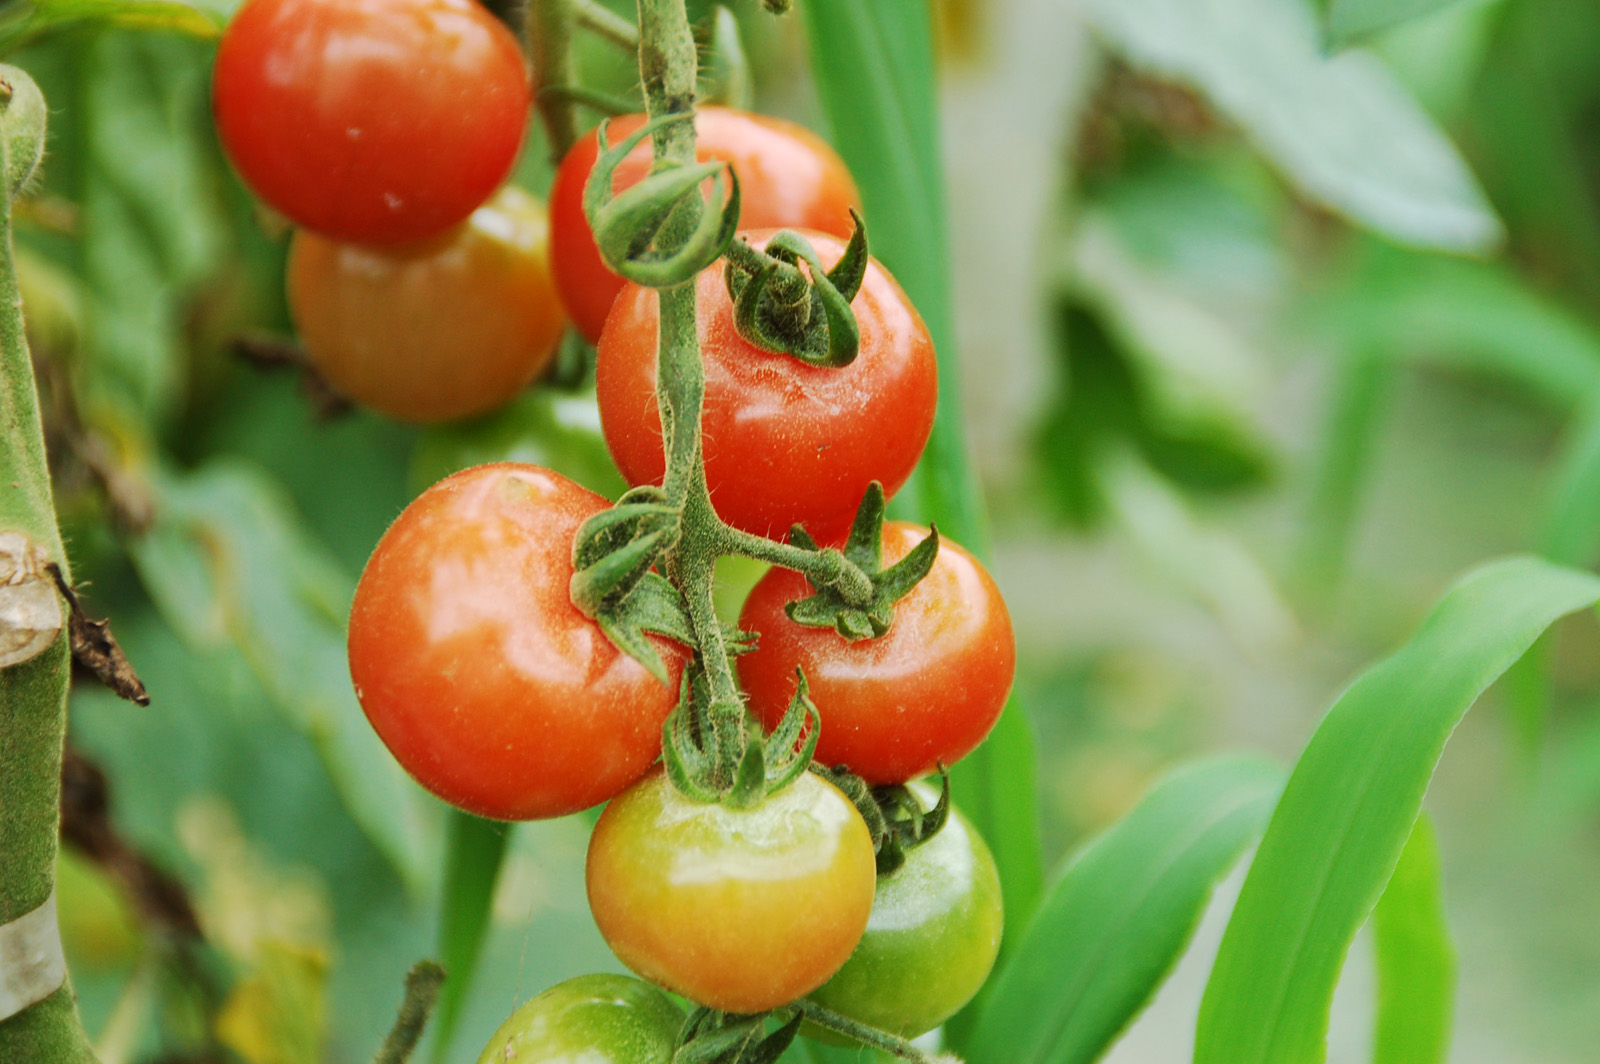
x=1347 y=21
x=475 y=848
x=1116 y=921
x=28 y=20
x=875 y=74
x=1341 y=129
x=1416 y=958
x=1350 y=804
x=227 y=562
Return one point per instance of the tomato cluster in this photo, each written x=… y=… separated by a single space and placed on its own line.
x=424 y=287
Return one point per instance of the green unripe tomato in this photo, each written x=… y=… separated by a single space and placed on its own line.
x=593 y=1019
x=931 y=939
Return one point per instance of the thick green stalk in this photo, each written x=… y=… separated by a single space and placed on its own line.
x=33 y=694
x=549 y=29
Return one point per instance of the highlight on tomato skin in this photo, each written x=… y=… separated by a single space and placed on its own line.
x=439 y=329
x=739 y=910
x=785 y=443
x=484 y=681
x=892 y=708
x=788 y=178
x=373 y=121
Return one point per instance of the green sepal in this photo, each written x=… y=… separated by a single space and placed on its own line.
x=855 y=620
x=718 y=1038
x=653 y=605
x=777 y=310
x=908 y=826
x=603 y=585
x=770 y=1048
x=750 y=781
x=860 y=795
x=801 y=724
x=685 y=763
x=626 y=225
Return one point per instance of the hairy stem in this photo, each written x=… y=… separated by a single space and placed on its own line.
x=33 y=694
x=422 y=990
x=824 y=567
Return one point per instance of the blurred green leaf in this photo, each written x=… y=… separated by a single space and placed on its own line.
x=1416 y=958
x=875 y=74
x=227 y=561
x=1113 y=925
x=27 y=20
x=1350 y=804
x=559 y=432
x=475 y=848
x=151 y=219
x=1342 y=129
x=1347 y=21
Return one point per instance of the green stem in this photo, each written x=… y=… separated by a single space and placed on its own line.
x=550 y=25
x=606 y=23
x=868 y=1036
x=422 y=990
x=823 y=568
x=33 y=694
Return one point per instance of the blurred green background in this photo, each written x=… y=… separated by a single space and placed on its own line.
x=1263 y=344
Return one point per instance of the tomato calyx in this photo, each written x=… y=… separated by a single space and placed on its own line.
x=713 y=756
x=712 y=1037
x=895 y=819
x=614 y=582
x=659 y=233
x=787 y=311
x=857 y=616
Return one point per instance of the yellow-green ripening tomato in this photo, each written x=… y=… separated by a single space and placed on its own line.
x=448 y=327
x=931 y=939
x=593 y=1019
x=742 y=910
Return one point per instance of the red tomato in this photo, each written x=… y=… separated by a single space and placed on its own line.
x=743 y=910
x=442 y=328
x=374 y=121
x=788 y=178
x=893 y=707
x=785 y=442
x=474 y=667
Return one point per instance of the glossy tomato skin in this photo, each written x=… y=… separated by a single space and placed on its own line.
x=592 y=1019
x=785 y=442
x=474 y=667
x=443 y=328
x=373 y=121
x=893 y=707
x=741 y=910
x=932 y=937
x=788 y=178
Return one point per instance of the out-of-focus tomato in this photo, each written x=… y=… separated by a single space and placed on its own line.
x=473 y=665
x=789 y=178
x=374 y=121
x=444 y=328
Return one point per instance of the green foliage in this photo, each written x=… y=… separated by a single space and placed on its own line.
x=28 y=20
x=1350 y=20
x=1341 y=129
x=1350 y=804
x=1122 y=912
x=1416 y=958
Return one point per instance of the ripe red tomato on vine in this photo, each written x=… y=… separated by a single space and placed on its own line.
x=435 y=329
x=477 y=671
x=788 y=178
x=927 y=691
x=785 y=442
x=375 y=121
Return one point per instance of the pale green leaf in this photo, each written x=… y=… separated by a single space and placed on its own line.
x=1341 y=128
x=475 y=848
x=27 y=20
x=1416 y=958
x=1113 y=925
x=1350 y=20
x=1350 y=804
x=227 y=561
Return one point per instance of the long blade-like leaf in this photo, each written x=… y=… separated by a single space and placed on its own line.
x=475 y=850
x=1416 y=958
x=1114 y=924
x=875 y=72
x=1347 y=21
x=1348 y=808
